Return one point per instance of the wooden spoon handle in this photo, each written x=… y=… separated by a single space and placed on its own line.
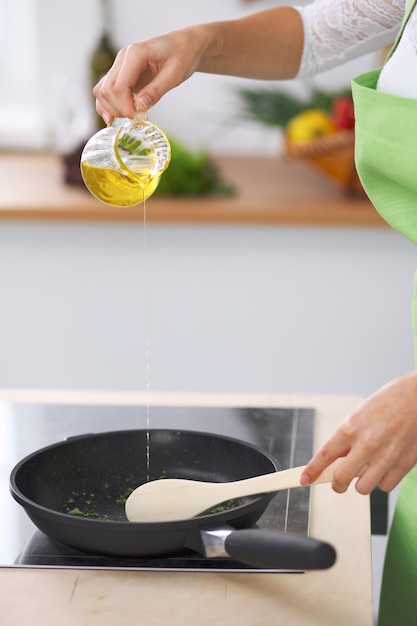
x=276 y=481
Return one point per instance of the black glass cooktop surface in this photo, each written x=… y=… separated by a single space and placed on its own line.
x=285 y=433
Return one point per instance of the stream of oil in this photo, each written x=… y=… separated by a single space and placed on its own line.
x=148 y=419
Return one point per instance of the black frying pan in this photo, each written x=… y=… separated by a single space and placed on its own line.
x=74 y=492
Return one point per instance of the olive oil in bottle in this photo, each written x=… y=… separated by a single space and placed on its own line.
x=116 y=187
x=122 y=164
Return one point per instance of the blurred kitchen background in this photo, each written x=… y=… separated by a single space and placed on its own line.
x=45 y=55
x=234 y=308
x=231 y=308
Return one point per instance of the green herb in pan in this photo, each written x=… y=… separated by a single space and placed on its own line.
x=83 y=504
x=224 y=506
x=124 y=496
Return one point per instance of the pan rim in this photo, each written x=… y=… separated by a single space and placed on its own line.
x=212 y=519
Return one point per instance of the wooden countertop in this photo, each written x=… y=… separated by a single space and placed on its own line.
x=268 y=191
x=341 y=595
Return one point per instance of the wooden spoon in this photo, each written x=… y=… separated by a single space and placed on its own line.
x=172 y=499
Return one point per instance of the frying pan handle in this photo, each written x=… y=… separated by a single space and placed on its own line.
x=265 y=548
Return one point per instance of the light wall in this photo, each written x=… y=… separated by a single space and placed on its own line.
x=225 y=308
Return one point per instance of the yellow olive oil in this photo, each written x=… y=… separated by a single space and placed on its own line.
x=118 y=188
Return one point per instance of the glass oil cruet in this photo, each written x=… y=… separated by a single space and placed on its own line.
x=122 y=164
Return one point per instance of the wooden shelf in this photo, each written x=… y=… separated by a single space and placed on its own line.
x=268 y=191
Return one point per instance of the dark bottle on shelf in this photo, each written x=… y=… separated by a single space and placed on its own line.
x=103 y=54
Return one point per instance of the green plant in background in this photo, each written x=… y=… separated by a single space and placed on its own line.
x=274 y=107
x=191 y=173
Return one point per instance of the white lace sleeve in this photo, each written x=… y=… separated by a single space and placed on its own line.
x=336 y=31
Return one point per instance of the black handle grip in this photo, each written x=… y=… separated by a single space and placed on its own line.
x=270 y=549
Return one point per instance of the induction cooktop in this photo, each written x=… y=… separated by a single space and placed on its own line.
x=285 y=433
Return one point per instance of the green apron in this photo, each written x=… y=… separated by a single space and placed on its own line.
x=386 y=160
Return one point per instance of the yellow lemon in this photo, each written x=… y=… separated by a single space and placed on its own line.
x=309 y=125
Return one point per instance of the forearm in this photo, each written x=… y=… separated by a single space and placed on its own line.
x=266 y=45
